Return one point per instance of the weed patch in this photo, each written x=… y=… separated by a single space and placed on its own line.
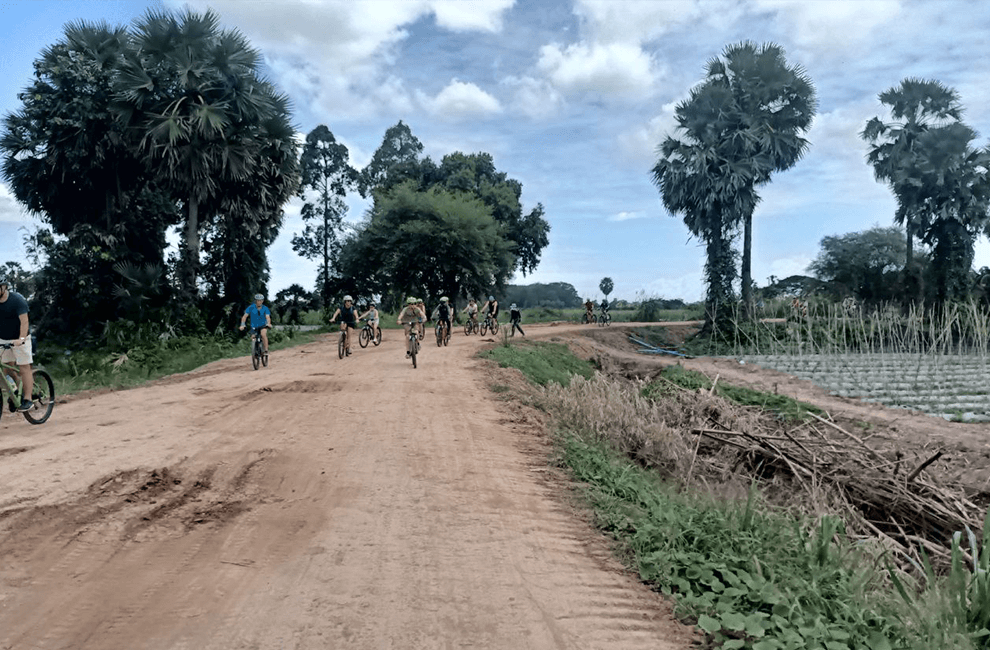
x=542 y=363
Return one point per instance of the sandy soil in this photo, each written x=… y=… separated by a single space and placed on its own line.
x=319 y=503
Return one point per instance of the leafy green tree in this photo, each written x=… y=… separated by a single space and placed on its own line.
x=21 y=280
x=916 y=106
x=555 y=295
x=326 y=172
x=606 y=286
x=428 y=243
x=397 y=155
x=865 y=265
x=768 y=105
x=290 y=304
x=193 y=96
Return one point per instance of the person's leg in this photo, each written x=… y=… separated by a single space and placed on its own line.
x=27 y=377
x=264 y=339
x=408 y=330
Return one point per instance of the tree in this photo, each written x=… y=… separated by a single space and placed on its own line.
x=606 y=286
x=865 y=265
x=291 y=302
x=21 y=280
x=428 y=243
x=769 y=105
x=325 y=171
x=399 y=150
x=916 y=106
x=193 y=97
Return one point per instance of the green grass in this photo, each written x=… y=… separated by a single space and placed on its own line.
x=781 y=405
x=92 y=368
x=540 y=362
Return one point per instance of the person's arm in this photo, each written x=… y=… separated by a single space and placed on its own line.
x=335 y=314
x=244 y=317
x=24 y=327
x=268 y=317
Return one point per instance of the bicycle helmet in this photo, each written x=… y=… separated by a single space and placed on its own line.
x=258 y=296
x=444 y=299
x=410 y=300
x=348 y=299
x=491 y=297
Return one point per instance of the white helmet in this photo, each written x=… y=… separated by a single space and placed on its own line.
x=348 y=299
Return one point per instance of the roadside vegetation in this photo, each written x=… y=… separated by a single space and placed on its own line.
x=745 y=558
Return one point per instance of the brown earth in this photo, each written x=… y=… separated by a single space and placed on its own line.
x=318 y=503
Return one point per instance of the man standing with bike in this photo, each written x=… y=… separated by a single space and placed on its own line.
x=261 y=318
x=348 y=321
x=14 y=330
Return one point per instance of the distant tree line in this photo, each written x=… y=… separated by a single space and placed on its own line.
x=124 y=134
x=747 y=119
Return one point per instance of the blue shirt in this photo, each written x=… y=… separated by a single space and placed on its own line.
x=258 y=315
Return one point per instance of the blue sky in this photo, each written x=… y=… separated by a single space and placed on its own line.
x=572 y=97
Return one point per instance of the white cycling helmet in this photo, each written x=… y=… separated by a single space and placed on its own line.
x=258 y=296
x=348 y=299
x=444 y=299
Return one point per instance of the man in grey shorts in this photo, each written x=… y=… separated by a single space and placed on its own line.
x=14 y=331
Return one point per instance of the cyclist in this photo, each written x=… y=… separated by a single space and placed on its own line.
x=491 y=308
x=14 y=328
x=589 y=310
x=442 y=313
x=261 y=318
x=472 y=311
x=515 y=317
x=604 y=306
x=372 y=316
x=422 y=307
x=348 y=320
x=410 y=313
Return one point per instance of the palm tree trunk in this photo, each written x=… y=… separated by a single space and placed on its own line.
x=747 y=274
x=191 y=270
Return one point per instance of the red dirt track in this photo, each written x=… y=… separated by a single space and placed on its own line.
x=319 y=503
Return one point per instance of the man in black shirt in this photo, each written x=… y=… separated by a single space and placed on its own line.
x=14 y=331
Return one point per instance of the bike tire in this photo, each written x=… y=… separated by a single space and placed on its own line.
x=494 y=327
x=264 y=359
x=608 y=319
x=255 y=355
x=484 y=329
x=467 y=328
x=446 y=336
x=43 y=396
x=413 y=348
x=365 y=337
x=439 y=332
x=378 y=337
x=340 y=346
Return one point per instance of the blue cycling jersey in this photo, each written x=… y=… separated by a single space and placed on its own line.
x=258 y=315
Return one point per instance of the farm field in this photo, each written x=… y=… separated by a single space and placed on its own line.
x=951 y=386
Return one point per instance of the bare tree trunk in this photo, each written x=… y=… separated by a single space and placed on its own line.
x=747 y=274
x=191 y=264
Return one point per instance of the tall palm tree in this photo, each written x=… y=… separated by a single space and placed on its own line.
x=193 y=96
x=769 y=105
x=916 y=106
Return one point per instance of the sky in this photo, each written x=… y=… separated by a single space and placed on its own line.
x=572 y=98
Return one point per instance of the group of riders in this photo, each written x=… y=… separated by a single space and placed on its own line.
x=589 y=309
x=412 y=314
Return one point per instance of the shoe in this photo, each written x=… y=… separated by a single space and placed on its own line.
x=26 y=405
x=408 y=355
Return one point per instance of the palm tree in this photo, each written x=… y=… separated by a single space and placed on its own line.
x=916 y=106
x=193 y=96
x=769 y=106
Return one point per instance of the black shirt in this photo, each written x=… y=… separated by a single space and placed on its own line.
x=10 y=316
x=348 y=314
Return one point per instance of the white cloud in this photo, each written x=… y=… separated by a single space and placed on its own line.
x=833 y=26
x=640 y=143
x=626 y=216
x=535 y=98
x=459 y=100
x=10 y=210
x=610 y=69
x=471 y=15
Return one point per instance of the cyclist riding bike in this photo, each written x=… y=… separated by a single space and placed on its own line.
x=348 y=321
x=589 y=310
x=261 y=318
x=411 y=313
x=14 y=328
x=471 y=310
x=491 y=308
x=442 y=313
x=372 y=316
x=604 y=306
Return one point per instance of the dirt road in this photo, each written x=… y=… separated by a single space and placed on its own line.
x=319 y=503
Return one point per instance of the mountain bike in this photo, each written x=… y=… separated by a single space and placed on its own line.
x=42 y=395
x=369 y=334
x=443 y=334
x=471 y=326
x=258 y=354
x=605 y=319
x=413 y=341
x=589 y=317
x=490 y=324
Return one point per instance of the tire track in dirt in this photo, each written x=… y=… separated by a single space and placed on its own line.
x=320 y=503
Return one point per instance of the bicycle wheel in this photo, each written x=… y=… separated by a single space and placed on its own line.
x=446 y=335
x=340 y=345
x=467 y=328
x=256 y=354
x=43 y=396
x=484 y=328
x=264 y=359
x=413 y=348
x=608 y=319
x=476 y=327
x=365 y=337
x=439 y=333
x=378 y=336
x=494 y=327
